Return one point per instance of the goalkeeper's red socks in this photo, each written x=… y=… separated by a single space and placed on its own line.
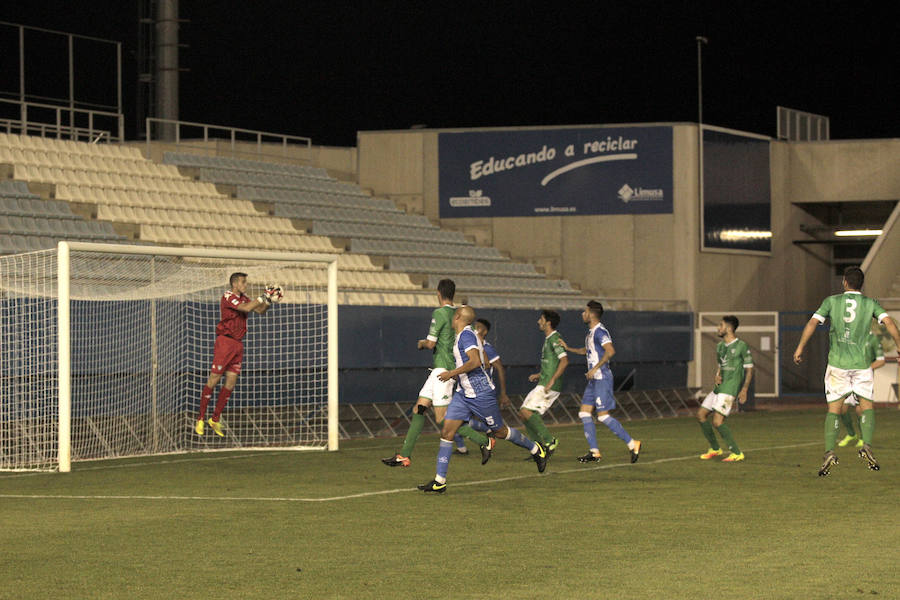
x=205 y=397
x=224 y=394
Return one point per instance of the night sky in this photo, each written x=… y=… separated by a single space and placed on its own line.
x=329 y=69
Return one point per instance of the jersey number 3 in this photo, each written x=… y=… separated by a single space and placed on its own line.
x=851 y=311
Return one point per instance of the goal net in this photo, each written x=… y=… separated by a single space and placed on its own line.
x=104 y=351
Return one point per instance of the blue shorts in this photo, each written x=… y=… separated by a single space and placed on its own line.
x=599 y=392
x=483 y=406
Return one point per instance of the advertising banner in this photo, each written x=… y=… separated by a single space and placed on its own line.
x=572 y=171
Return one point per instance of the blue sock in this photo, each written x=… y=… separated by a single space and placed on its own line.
x=590 y=430
x=443 y=458
x=478 y=425
x=520 y=440
x=460 y=442
x=616 y=428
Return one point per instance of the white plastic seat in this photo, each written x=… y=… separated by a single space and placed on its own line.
x=131 y=153
x=104 y=179
x=24 y=172
x=44 y=158
x=162 y=233
x=108 y=212
x=28 y=141
x=147 y=233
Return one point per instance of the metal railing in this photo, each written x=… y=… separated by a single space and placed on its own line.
x=47 y=130
x=392 y=419
x=239 y=142
x=63 y=120
x=798 y=126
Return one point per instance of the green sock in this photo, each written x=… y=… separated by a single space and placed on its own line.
x=415 y=428
x=847 y=419
x=832 y=424
x=867 y=425
x=707 y=429
x=725 y=432
x=535 y=423
x=476 y=436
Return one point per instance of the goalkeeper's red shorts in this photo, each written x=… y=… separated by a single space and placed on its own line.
x=227 y=355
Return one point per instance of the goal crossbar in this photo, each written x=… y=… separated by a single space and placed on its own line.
x=64 y=249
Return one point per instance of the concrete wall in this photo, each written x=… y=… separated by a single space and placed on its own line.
x=882 y=264
x=644 y=256
x=841 y=171
x=393 y=167
x=792 y=277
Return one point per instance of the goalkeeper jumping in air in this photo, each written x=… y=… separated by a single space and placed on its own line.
x=235 y=306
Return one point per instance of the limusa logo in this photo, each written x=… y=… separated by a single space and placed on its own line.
x=475 y=198
x=629 y=194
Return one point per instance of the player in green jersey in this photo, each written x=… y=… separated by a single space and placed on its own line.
x=848 y=369
x=876 y=355
x=554 y=361
x=733 y=379
x=436 y=393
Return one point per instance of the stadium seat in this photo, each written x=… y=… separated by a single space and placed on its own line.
x=394 y=247
x=452 y=266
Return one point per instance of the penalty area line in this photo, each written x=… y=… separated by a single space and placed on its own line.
x=374 y=493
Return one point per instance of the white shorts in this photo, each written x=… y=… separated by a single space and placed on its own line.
x=841 y=382
x=539 y=399
x=439 y=392
x=720 y=403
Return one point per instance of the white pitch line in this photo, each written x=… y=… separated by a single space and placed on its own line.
x=206 y=457
x=379 y=492
x=130 y=465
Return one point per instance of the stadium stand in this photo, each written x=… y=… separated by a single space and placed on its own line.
x=29 y=223
x=111 y=193
x=375 y=226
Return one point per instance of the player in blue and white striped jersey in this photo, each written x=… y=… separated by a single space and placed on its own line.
x=599 y=349
x=474 y=396
x=493 y=365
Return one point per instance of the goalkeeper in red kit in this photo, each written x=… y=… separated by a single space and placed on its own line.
x=234 y=306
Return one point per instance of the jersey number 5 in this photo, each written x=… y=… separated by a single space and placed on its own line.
x=851 y=311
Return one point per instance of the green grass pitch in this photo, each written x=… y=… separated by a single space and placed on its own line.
x=342 y=525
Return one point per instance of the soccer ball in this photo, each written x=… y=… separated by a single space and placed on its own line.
x=275 y=292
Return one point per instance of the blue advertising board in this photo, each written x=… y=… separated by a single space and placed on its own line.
x=542 y=172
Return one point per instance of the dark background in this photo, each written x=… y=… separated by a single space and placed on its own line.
x=328 y=69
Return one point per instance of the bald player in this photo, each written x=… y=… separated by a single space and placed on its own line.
x=474 y=396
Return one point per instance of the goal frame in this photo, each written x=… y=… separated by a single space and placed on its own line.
x=772 y=329
x=64 y=322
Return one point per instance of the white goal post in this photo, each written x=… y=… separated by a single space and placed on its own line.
x=104 y=349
